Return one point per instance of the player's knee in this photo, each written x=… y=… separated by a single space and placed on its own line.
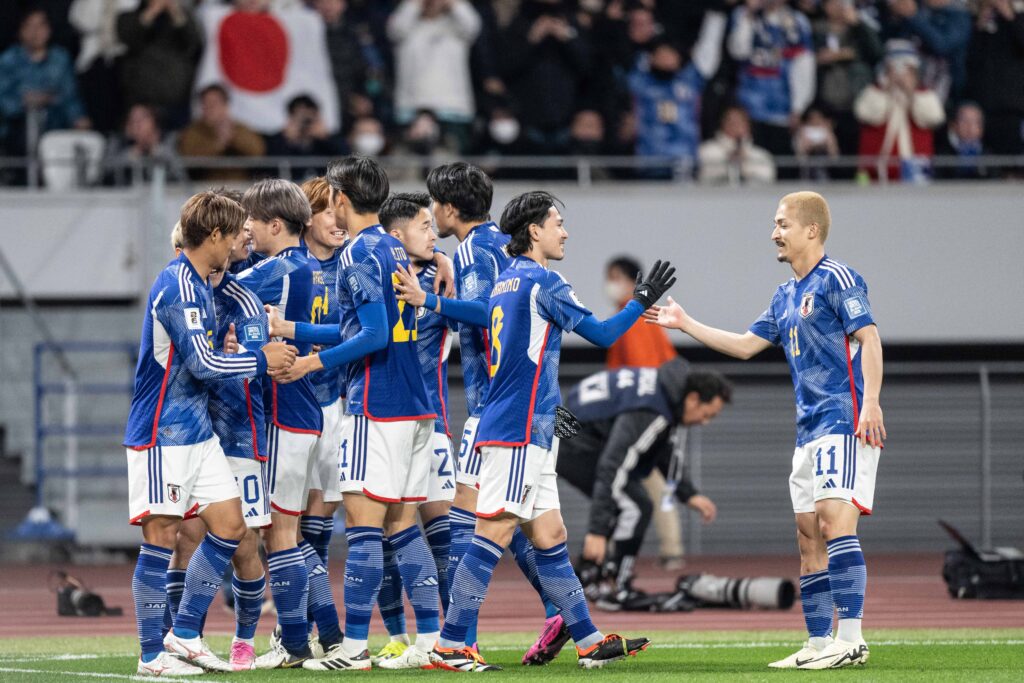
x=549 y=536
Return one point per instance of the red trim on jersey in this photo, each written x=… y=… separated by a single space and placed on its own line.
x=853 y=386
x=252 y=423
x=381 y=499
x=192 y=512
x=137 y=519
x=293 y=430
x=760 y=71
x=417 y=499
x=793 y=51
x=280 y=509
x=369 y=416
x=159 y=403
x=440 y=383
x=490 y=515
x=863 y=510
x=487 y=350
x=533 y=400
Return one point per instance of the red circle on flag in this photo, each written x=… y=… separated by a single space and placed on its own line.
x=253 y=51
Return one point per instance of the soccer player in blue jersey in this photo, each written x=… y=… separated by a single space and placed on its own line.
x=288 y=281
x=461 y=197
x=407 y=218
x=324 y=238
x=386 y=450
x=175 y=463
x=530 y=307
x=823 y=321
x=236 y=412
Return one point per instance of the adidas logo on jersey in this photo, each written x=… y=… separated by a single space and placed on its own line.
x=447 y=485
x=829 y=485
x=253 y=512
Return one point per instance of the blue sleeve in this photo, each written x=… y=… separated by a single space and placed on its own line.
x=372 y=337
x=253 y=332
x=945 y=41
x=605 y=333
x=470 y=312
x=262 y=281
x=766 y=327
x=474 y=281
x=365 y=279
x=559 y=304
x=318 y=334
x=849 y=301
x=11 y=103
x=184 y=324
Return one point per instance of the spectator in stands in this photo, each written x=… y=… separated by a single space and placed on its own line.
x=163 y=43
x=731 y=157
x=815 y=138
x=898 y=115
x=667 y=94
x=215 y=134
x=366 y=138
x=545 y=59
x=640 y=346
x=305 y=134
x=996 y=73
x=96 y=21
x=773 y=44
x=963 y=139
x=846 y=50
x=36 y=80
x=141 y=144
x=586 y=134
x=348 y=65
x=941 y=29
x=432 y=41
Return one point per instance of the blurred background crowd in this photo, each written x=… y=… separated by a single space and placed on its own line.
x=724 y=89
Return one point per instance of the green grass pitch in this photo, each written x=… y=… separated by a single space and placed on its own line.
x=896 y=655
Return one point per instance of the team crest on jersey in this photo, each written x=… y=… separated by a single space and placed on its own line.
x=253 y=333
x=807 y=305
x=193 y=320
x=526 y=493
x=173 y=493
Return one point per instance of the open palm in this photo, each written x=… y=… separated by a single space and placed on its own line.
x=670 y=316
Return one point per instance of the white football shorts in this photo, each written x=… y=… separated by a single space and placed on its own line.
x=327 y=453
x=468 y=468
x=290 y=466
x=251 y=480
x=520 y=480
x=441 y=486
x=834 y=466
x=387 y=461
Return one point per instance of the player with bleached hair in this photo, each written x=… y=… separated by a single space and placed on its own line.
x=822 y=319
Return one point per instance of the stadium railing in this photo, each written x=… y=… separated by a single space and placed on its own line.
x=583 y=170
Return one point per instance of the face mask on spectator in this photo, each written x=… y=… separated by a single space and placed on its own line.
x=615 y=291
x=368 y=144
x=662 y=74
x=815 y=135
x=504 y=131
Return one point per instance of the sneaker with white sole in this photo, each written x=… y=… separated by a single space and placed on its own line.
x=243 y=656
x=464 y=659
x=612 y=649
x=195 y=651
x=279 y=657
x=167 y=664
x=805 y=653
x=836 y=655
x=336 y=659
x=412 y=658
x=394 y=648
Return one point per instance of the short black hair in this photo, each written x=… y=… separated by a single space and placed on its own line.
x=629 y=266
x=709 y=385
x=302 y=101
x=522 y=211
x=362 y=180
x=217 y=88
x=402 y=206
x=465 y=187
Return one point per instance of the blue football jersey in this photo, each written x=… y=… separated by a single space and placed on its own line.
x=433 y=344
x=530 y=308
x=290 y=282
x=328 y=382
x=667 y=111
x=170 y=405
x=478 y=261
x=813 y=321
x=763 y=87
x=236 y=406
x=387 y=384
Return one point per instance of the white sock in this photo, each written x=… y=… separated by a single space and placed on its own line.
x=353 y=647
x=248 y=641
x=819 y=642
x=401 y=638
x=425 y=641
x=849 y=631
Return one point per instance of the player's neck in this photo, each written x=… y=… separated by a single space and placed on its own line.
x=357 y=222
x=200 y=263
x=321 y=252
x=283 y=241
x=462 y=230
x=534 y=255
x=805 y=263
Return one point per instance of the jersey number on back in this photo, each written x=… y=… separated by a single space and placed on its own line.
x=320 y=308
x=497 y=315
x=405 y=329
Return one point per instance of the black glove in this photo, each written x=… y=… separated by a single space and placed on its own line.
x=566 y=424
x=658 y=281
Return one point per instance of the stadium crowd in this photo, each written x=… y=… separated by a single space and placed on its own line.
x=724 y=87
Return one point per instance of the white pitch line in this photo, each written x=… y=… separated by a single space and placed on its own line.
x=788 y=643
x=89 y=674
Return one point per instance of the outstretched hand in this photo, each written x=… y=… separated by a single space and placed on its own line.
x=671 y=316
x=658 y=281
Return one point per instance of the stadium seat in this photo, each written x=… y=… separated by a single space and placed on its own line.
x=71 y=158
